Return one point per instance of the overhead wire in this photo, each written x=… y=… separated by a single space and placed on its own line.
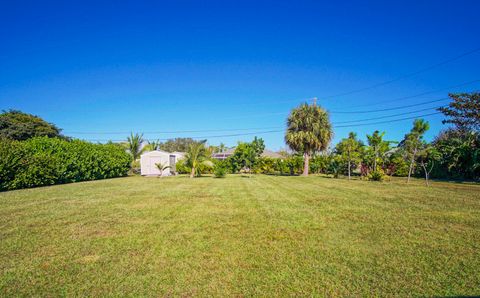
x=388 y=121
x=277 y=130
x=389 y=109
x=409 y=75
x=244 y=129
x=418 y=95
x=338 y=112
x=388 y=116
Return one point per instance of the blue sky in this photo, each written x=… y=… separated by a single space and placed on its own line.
x=119 y=66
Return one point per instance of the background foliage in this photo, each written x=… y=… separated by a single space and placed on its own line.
x=16 y=125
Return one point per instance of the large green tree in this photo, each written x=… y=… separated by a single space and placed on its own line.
x=246 y=155
x=460 y=154
x=350 y=151
x=463 y=111
x=177 y=145
x=17 y=125
x=308 y=131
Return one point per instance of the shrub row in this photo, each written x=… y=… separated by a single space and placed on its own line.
x=45 y=161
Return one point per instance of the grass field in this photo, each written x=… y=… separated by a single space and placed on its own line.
x=260 y=236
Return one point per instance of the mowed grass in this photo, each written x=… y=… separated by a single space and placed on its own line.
x=260 y=236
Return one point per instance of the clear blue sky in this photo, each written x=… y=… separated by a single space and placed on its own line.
x=143 y=66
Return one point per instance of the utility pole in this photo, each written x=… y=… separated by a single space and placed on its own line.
x=314 y=101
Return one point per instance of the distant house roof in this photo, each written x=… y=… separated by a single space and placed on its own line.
x=223 y=155
x=230 y=151
x=271 y=154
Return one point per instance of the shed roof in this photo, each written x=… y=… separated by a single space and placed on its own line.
x=156 y=153
x=178 y=153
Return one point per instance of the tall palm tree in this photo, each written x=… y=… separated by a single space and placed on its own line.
x=197 y=154
x=308 y=130
x=134 y=145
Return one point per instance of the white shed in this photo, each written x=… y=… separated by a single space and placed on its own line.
x=149 y=160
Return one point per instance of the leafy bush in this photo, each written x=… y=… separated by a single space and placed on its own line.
x=264 y=165
x=205 y=167
x=181 y=167
x=400 y=167
x=334 y=165
x=291 y=165
x=319 y=164
x=294 y=164
x=135 y=168
x=45 y=161
x=377 y=175
x=220 y=170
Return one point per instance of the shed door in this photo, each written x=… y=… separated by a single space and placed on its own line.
x=153 y=165
x=172 y=163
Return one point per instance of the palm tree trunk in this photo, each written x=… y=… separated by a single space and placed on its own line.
x=426 y=173
x=192 y=173
x=349 y=169
x=410 y=169
x=306 y=164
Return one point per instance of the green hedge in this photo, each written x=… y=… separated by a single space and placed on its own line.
x=46 y=161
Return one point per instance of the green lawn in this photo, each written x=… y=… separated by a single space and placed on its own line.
x=259 y=236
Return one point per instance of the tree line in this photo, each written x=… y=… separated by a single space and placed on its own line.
x=454 y=152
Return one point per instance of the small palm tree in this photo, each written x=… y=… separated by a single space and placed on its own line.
x=376 y=143
x=308 y=130
x=413 y=141
x=155 y=145
x=162 y=167
x=222 y=147
x=196 y=156
x=134 y=145
x=350 y=149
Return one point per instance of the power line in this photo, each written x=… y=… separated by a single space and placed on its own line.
x=168 y=132
x=316 y=99
x=404 y=76
x=274 y=127
x=412 y=74
x=285 y=113
x=389 y=109
x=377 y=103
x=388 y=116
x=420 y=94
x=199 y=137
x=274 y=131
x=389 y=121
